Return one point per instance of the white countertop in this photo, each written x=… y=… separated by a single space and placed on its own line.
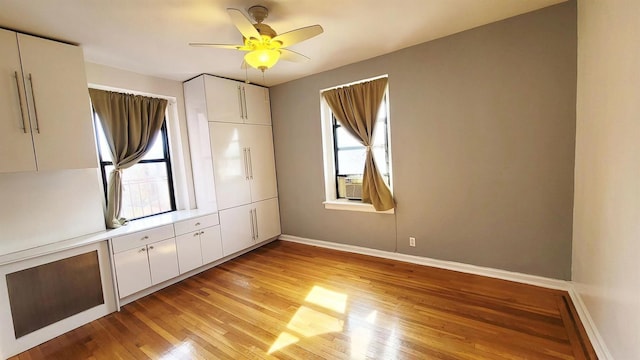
x=132 y=227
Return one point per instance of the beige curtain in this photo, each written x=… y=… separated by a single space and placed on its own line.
x=356 y=108
x=130 y=124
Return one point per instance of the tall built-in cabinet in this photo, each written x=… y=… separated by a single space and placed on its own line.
x=45 y=120
x=232 y=156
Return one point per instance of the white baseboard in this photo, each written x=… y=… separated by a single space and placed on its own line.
x=592 y=332
x=590 y=327
x=443 y=264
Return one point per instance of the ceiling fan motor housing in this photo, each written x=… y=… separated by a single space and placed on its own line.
x=258 y=13
x=265 y=30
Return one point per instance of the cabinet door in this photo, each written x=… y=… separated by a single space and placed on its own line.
x=189 y=251
x=58 y=100
x=229 y=153
x=132 y=271
x=199 y=143
x=236 y=229
x=268 y=219
x=262 y=163
x=211 y=243
x=163 y=260
x=224 y=100
x=257 y=106
x=16 y=147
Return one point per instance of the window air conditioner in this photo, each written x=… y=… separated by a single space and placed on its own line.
x=353 y=189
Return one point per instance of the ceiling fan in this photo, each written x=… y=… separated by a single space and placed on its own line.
x=263 y=45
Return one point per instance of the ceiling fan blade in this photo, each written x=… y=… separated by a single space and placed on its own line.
x=295 y=36
x=220 y=46
x=289 y=55
x=243 y=24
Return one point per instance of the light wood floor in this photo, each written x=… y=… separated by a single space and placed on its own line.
x=292 y=301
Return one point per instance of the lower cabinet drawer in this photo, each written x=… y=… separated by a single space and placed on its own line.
x=141 y=238
x=191 y=225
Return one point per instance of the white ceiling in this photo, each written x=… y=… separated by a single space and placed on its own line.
x=150 y=36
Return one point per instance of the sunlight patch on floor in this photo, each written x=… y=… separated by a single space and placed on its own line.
x=308 y=322
x=328 y=299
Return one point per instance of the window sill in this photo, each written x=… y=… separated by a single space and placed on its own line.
x=353 y=206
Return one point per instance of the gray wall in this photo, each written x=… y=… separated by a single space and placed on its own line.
x=482 y=136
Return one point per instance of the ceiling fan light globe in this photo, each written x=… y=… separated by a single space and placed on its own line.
x=262 y=59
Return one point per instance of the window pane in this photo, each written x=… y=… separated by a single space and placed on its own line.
x=379 y=136
x=351 y=162
x=145 y=190
x=157 y=149
x=103 y=145
x=379 y=157
x=344 y=139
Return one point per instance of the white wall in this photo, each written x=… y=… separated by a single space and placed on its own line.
x=108 y=77
x=606 y=235
x=45 y=207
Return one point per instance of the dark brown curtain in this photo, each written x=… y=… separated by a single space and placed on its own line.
x=130 y=124
x=356 y=108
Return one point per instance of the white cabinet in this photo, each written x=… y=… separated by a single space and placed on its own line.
x=132 y=271
x=229 y=154
x=230 y=141
x=189 y=251
x=235 y=101
x=244 y=226
x=16 y=145
x=243 y=163
x=256 y=104
x=163 y=263
x=237 y=227
x=262 y=164
x=211 y=244
x=45 y=119
x=267 y=219
x=236 y=159
x=198 y=242
x=144 y=258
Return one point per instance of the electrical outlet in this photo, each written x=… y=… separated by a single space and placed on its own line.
x=412 y=241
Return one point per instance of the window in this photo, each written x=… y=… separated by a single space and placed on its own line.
x=344 y=158
x=147 y=187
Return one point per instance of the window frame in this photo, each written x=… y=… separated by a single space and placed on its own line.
x=330 y=159
x=166 y=151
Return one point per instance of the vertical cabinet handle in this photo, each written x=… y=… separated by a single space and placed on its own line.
x=35 y=109
x=246 y=163
x=250 y=165
x=244 y=102
x=24 y=124
x=240 y=103
x=255 y=223
x=253 y=229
